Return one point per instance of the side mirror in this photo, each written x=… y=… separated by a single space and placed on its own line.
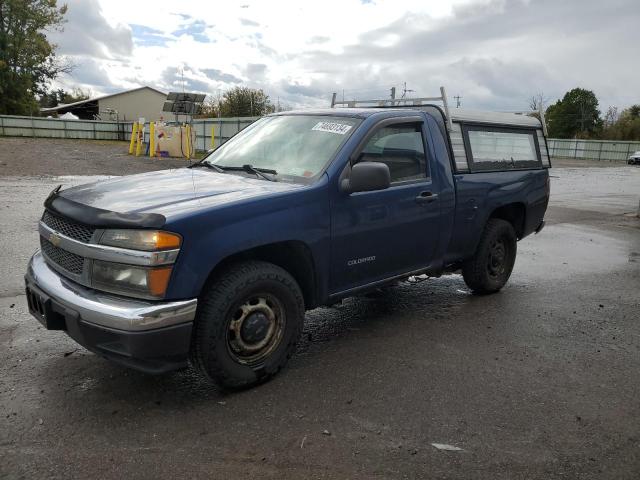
x=366 y=177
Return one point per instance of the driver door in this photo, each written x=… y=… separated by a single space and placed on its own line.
x=384 y=233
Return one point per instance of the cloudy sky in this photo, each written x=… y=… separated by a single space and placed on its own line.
x=495 y=54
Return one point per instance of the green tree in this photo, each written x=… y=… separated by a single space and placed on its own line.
x=209 y=108
x=27 y=59
x=626 y=126
x=576 y=115
x=245 y=102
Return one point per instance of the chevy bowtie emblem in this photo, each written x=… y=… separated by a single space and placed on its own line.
x=54 y=239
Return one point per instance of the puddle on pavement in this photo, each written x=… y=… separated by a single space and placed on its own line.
x=561 y=251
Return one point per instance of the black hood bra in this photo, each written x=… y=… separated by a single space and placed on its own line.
x=97 y=217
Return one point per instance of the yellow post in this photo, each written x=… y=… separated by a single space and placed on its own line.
x=213 y=138
x=152 y=139
x=140 y=140
x=134 y=136
x=188 y=130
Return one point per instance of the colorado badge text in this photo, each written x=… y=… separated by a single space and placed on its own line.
x=358 y=261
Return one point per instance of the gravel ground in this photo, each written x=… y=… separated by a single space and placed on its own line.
x=540 y=381
x=23 y=156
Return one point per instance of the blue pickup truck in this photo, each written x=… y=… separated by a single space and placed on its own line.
x=215 y=264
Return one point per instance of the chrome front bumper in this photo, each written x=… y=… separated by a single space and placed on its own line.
x=107 y=310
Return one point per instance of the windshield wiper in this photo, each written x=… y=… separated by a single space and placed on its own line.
x=257 y=171
x=207 y=165
x=260 y=172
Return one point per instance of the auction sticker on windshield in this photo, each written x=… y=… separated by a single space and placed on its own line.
x=332 y=127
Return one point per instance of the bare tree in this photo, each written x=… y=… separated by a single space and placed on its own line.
x=611 y=117
x=538 y=101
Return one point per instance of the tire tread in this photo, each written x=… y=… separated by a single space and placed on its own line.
x=215 y=298
x=474 y=270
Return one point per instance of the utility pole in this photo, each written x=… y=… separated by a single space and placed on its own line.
x=582 y=118
x=457 y=97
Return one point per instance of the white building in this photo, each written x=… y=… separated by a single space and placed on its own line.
x=128 y=105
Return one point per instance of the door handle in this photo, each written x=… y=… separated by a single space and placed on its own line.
x=426 y=197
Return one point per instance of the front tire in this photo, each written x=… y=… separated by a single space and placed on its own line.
x=247 y=324
x=490 y=267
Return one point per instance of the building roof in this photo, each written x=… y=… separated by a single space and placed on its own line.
x=64 y=106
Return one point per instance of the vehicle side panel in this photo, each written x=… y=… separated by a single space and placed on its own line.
x=480 y=194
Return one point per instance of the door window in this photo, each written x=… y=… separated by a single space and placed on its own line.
x=401 y=148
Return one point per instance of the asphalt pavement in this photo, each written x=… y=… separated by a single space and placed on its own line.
x=539 y=381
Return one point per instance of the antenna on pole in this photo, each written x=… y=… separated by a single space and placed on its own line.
x=457 y=97
x=405 y=91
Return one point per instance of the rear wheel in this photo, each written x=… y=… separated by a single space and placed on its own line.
x=490 y=267
x=247 y=325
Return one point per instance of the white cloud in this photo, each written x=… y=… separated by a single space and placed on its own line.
x=495 y=53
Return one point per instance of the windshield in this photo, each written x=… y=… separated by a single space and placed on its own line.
x=297 y=147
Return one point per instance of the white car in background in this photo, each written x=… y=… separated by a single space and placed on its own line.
x=634 y=159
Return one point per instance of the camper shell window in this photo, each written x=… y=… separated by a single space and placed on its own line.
x=493 y=148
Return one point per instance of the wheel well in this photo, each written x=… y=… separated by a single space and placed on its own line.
x=514 y=213
x=293 y=256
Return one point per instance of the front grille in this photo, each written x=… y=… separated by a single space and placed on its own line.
x=68 y=228
x=66 y=260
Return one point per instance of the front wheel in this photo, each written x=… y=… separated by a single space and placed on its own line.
x=248 y=321
x=490 y=267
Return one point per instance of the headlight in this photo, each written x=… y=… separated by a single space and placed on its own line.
x=128 y=280
x=147 y=240
x=134 y=280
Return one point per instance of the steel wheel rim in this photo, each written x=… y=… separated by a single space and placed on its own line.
x=255 y=328
x=498 y=254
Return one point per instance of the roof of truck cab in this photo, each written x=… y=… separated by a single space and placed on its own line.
x=457 y=114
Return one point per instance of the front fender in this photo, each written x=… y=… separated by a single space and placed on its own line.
x=211 y=236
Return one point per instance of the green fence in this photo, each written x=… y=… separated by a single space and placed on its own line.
x=38 y=127
x=225 y=128
x=599 y=150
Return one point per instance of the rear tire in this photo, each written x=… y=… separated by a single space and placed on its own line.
x=490 y=267
x=248 y=321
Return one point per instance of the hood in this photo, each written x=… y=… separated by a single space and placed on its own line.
x=168 y=192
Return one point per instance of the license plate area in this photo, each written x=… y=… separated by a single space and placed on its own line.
x=42 y=308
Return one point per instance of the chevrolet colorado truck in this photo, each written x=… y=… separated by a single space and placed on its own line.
x=215 y=264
